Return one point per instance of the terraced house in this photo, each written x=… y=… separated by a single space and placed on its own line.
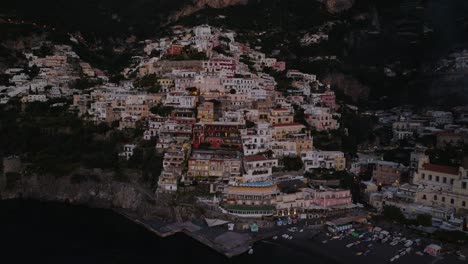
x=212 y=165
x=218 y=134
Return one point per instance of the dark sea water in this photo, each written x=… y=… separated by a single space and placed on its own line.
x=39 y=232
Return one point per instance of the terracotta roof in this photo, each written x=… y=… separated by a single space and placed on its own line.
x=289 y=124
x=255 y=158
x=440 y=168
x=245 y=189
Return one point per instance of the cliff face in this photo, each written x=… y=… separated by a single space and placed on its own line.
x=97 y=188
x=333 y=6
x=100 y=190
x=200 y=4
x=348 y=85
x=337 y=6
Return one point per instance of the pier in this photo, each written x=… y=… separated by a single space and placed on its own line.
x=227 y=243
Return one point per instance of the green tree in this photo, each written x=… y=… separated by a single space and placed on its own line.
x=424 y=219
x=204 y=145
x=146 y=81
x=393 y=213
x=299 y=116
x=33 y=72
x=224 y=39
x=136 y=160
x=85 y=83
x=162 y=110
x=292 y=163
x=249 y=124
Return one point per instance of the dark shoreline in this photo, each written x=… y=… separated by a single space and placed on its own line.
x=49 y=214
x=56 y=232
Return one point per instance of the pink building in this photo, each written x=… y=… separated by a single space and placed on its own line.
x=295 y=99
x=321 y=119
x=175 y=49
x=331 y=198
x=219 y=64
x=280 y=66
x=328 y=99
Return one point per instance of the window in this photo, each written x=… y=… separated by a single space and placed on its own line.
x=451 y=181
x=464 y=185
x=430 y=177
x=444 y=180
x=463 y=203
x=437 y=178
x=443 y=199
x=424 y=197
x=423 y=176
x=435 y=197
x=452 y=201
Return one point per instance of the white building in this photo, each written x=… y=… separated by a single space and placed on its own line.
x=127 y=151
x=258 y=168
x=34 y=98
x=180 y=101
x=323 y=159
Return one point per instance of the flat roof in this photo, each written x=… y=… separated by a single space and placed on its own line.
x=251 y=207
x=253 y=158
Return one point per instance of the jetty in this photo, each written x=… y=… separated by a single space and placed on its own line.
x=225 y=242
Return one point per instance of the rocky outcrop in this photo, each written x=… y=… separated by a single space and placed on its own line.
x=97 y=188
x=198 y=5
x=94 y=188
x=337 y=6
x=348 y=85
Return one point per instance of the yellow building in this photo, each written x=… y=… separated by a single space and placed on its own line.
x=283 y=130
x=443 y=186
x=214 y=164
x=206 y=112
x=166 y=82
x=340 y=163
x=280 y=116
x=137 y=110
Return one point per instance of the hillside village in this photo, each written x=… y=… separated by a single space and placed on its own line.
x=229 y=117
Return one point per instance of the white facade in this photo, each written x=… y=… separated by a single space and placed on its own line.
x=181 y=101
x=258 y=168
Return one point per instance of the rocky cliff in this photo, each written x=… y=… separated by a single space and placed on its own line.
x=87 y=187
x=197 y=5
x=101 y=189
x=337 y=6
x=348 y=85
